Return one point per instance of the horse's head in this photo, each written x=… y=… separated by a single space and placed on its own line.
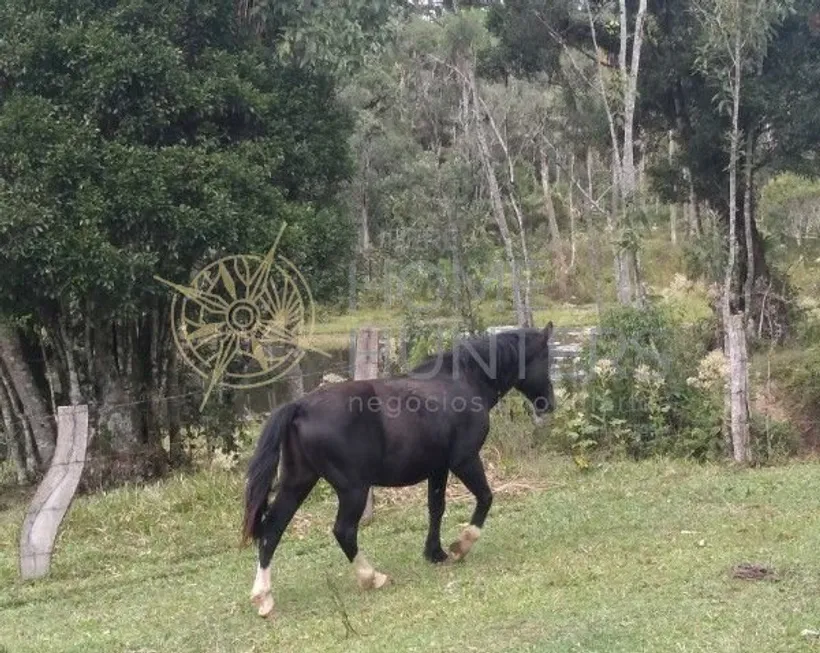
x=536 y=384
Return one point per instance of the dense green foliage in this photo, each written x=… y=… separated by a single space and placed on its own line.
x=140 y=137
x=646 y=390
x=145 y=138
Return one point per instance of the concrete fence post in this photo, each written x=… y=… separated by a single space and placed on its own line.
x=55 y=493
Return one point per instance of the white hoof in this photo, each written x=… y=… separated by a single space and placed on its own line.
x=260 y=594
x=264 y=603
x=461 y=547
x=367 y=577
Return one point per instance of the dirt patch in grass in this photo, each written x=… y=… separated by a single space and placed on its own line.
x=751 y=571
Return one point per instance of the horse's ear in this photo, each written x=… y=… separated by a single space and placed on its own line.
x=548 y=330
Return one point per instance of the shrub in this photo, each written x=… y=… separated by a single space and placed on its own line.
x=648 y=388
x=773 y=440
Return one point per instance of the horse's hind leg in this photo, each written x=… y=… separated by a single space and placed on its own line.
x=290 y=496
x=471 y=473
x=346 y=531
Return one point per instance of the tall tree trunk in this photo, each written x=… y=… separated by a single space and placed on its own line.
x=460 y=285
x=695 y=227
x=748 y=282
x=594 y=254
x=734 y=317
x=642 y=173
x=364 y=215
x=144 y=352
x=519 y=217
x=495 y=198
x=629 y=286
x=549 y=206
x=728 y=447
x=590 y=181
x=623 y=150
x=116 y=420
x=630 y=94
x=13 y=446
x=673 y=223
x=526 y=299
x=801 y=228
x=571 y=202
x=65 y=347
x=626 y=273
x=739 y=373
x=176 y=451
x=461 y=293
x=24 y=465
x=35 y=411
x=52 y=378
x=673 y=207
x=365 y=227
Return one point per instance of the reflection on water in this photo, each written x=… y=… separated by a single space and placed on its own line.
x=264 y=399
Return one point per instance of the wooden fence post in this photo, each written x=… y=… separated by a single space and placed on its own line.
x=367 y=367
x=55 y=492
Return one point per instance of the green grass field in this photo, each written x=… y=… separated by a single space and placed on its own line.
x=627 y=558
x=333 y=330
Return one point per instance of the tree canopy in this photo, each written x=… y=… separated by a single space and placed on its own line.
x=137 y=137
x=147 y=138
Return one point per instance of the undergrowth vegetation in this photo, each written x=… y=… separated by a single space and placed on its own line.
x=649 y=387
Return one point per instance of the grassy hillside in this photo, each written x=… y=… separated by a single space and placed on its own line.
x=627 y=558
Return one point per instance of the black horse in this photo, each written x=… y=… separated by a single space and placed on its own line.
x=391 y=432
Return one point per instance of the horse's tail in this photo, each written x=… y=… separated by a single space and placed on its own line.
x=262 y=468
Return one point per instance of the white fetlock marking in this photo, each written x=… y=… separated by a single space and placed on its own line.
x=471 y=534
x=261 y=583
x=462 y=546
x=364 y=570
x=260 y=593
x=366 y=576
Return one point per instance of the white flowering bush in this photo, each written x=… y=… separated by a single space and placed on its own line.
x=650 y=387
x=712 y=373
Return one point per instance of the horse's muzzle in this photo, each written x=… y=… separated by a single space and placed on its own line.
x=543 y=406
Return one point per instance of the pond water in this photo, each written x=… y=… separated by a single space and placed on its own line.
x=263 y=399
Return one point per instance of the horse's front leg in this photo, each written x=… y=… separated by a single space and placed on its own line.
x=436 y=491
x=472 y=475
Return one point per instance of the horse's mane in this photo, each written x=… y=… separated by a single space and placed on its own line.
x=472 y=352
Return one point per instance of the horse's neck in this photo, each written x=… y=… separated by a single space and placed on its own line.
x=496 y=382
x=491 y=390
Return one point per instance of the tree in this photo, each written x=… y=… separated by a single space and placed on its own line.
x=147 y=138
x=677 y=94
x=438 y=176
x=534 y=35
x=29 y=429
x=735 y=37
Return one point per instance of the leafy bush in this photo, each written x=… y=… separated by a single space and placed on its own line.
x=773 y=440
x=648 y=388
x=794 y=377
